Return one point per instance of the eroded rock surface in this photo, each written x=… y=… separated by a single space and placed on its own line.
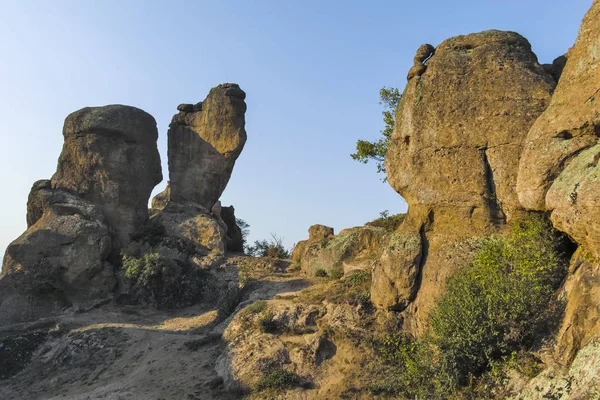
x=558 y=170
x=205 y=140
x=460 y=126
x=351 y=249
x=110 y=158
x=60 y=261
x=454 y=154
x=80 y=219
x=235 y=239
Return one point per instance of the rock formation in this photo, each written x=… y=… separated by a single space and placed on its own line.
x=351 y=249
x=558 y=170
x=558 y=173
x=205 y=140
x=81 y=218
x=460 y=127
x=235 y=239
x=110 y=158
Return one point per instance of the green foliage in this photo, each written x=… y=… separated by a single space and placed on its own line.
x=229 y=301
x=320 y=273
x=336 y=274
x=272 y=248
x=503 y=302
x=408 y=369
x=162 y=282
x=493 y=313
x=376 y=150
x=357 y=278
x=279 y=378
x=245 y=228
x=389 y=222
x=267 y=323
x=257 y=307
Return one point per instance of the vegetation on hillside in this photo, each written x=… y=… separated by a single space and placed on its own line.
x=389 y=222
x=493 y=313
x=272 y=248
x=162 y=282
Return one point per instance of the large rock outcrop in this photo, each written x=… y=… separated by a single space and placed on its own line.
x=79 y=221
x=558 y=170
x=558 y=173
x=205 y=140
x=351 y=249
x=110 y=158
x=454 y=153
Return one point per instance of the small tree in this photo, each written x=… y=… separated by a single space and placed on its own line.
x=272 y=248
x=245 y=228
x=375 y=151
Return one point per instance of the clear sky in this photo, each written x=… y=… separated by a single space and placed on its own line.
x=311 y=69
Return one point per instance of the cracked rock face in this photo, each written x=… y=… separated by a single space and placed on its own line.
x=460 y=125
x=558 y=170
x=205 y=140
x=110 y=158
x=454 y=154
x=59 y=261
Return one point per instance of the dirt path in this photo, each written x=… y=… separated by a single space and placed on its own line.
x=131 y=352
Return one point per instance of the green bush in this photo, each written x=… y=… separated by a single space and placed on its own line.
x=279 y=378
x=257 y=307
x=503 y=302
x=272 y=248
x=229 y=301
x=162 y=282
x=493 y=313
x=389 y=222
x=320 y=273
x=358 y=278
x=408 y=369
x=336 y=275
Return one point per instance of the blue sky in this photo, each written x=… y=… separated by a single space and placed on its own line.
x=311 y=70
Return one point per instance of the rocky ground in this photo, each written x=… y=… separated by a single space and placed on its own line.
x=126 y=352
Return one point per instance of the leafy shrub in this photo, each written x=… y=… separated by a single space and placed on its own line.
x=408 y=369
x=503 y=302
x=493 y=313
x=357 y=278
x=257 y=307
x=162 y=282
x=336 y=274
x=389 y=222
x=272 y=248
x=320 y=273
x=229 y=301
x=279 y=378
x=267 y=323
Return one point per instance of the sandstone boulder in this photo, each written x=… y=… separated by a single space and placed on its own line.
x=110 y=158
x=558 y=169
x=316 y=233
x=581 y=320
x=60 y=261
x=454 y=155
x=395 y=271
x=205 y=140
x=192 y=224
x=235 y=239
x=351 y=249
x=460 y=126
